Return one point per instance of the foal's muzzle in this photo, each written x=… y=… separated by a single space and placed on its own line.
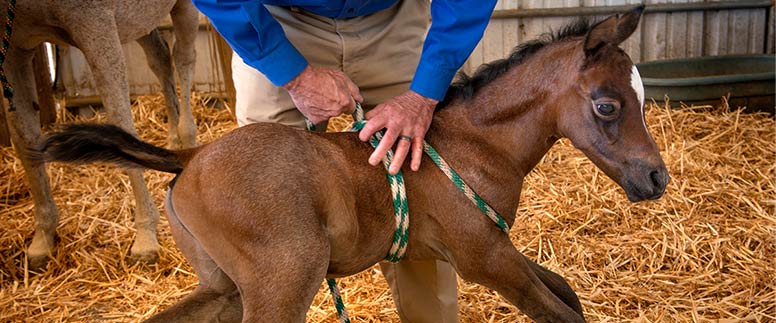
x=647 y=184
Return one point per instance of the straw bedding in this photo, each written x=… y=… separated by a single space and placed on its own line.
x=703 y=253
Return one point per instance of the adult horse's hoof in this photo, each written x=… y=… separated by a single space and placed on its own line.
x=37 y=264
x=149 y=258
x=40 y=251
x=145 y=249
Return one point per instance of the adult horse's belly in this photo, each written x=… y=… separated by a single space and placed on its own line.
x=137 y=18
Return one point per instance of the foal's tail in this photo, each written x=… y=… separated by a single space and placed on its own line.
x=91 y=142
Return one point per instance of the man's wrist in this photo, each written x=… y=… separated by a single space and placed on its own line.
x=424 y=100
x=294 y=82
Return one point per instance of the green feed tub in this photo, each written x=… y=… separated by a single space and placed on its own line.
x=748 y=80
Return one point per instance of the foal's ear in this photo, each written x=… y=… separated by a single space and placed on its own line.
x=613 y=30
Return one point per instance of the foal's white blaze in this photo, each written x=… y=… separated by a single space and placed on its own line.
x=639 y=88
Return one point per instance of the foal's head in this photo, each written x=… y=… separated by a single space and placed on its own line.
x=576 y=84
x=603 y=115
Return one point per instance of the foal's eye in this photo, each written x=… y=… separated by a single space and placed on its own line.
x=605 y=109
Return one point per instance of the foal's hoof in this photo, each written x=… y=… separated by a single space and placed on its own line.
x=148 y=258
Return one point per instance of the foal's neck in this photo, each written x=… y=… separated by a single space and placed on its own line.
x=496 y=137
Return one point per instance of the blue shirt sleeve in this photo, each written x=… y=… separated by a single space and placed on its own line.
x=456 y=28
x=256 y=36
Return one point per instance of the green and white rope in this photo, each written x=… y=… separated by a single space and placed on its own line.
x=338 y=303
x=400 y=210
x=399 y=193
x=463 y=187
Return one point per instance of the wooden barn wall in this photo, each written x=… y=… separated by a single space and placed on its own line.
x=660 y=36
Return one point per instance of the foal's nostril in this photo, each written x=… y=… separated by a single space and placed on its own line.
x=657 y=179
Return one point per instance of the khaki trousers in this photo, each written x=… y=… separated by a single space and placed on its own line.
x=379 y=52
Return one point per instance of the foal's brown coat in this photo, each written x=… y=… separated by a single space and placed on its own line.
x=265 y=213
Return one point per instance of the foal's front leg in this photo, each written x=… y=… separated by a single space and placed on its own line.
x=539 y=293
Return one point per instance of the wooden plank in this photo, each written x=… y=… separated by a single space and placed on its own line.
x=532 y=27
x=738 y=33
x=715 y=33
x=5 y=135
x=46 y=104
x=510 y=28
x=695 y=25
x=757 y=29
x=224 y=53
x=771 y=34
x=676 y=32
x=493 y=40
x=654 y=26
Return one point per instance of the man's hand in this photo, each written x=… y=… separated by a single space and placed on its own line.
x=322 y=93
x=405 y=117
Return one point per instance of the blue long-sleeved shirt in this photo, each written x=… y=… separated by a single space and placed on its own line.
x=456 y=27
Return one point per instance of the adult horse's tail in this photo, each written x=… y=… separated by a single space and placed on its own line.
x=89 y=143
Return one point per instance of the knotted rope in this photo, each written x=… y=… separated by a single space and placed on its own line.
x=10 y=14
x=400 y=208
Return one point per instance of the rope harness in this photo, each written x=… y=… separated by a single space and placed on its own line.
x=400 y=208
x=6 y=42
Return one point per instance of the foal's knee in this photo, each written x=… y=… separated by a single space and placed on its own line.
x=557 y=285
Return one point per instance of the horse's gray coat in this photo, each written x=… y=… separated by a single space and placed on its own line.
x=98 y=28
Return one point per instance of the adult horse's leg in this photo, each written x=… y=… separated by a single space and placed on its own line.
x=216 y=298
x=98 y=39
x=185 y=19
x=158 y=56
x=25 y=133
x=523 y=284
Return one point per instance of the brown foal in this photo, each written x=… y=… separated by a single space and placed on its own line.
x=266 y=212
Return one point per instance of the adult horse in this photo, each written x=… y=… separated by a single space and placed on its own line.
x=262 y=220
x=98 y=28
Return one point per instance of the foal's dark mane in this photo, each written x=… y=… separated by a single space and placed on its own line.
x=465 y=86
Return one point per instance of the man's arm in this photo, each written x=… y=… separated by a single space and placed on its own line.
x=252 y=32
x=456 y=28
x=256 y=36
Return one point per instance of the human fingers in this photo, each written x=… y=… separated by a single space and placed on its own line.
x=382 y=148
x=417 y=153
x=374 y=125
x=400 y=154
x=355 y=93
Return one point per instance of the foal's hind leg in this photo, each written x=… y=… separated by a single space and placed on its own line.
x=26 y=133
x=98 y=39
x=216 y=298
x=158 y=57
x=185 y=19
x=277 y=260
